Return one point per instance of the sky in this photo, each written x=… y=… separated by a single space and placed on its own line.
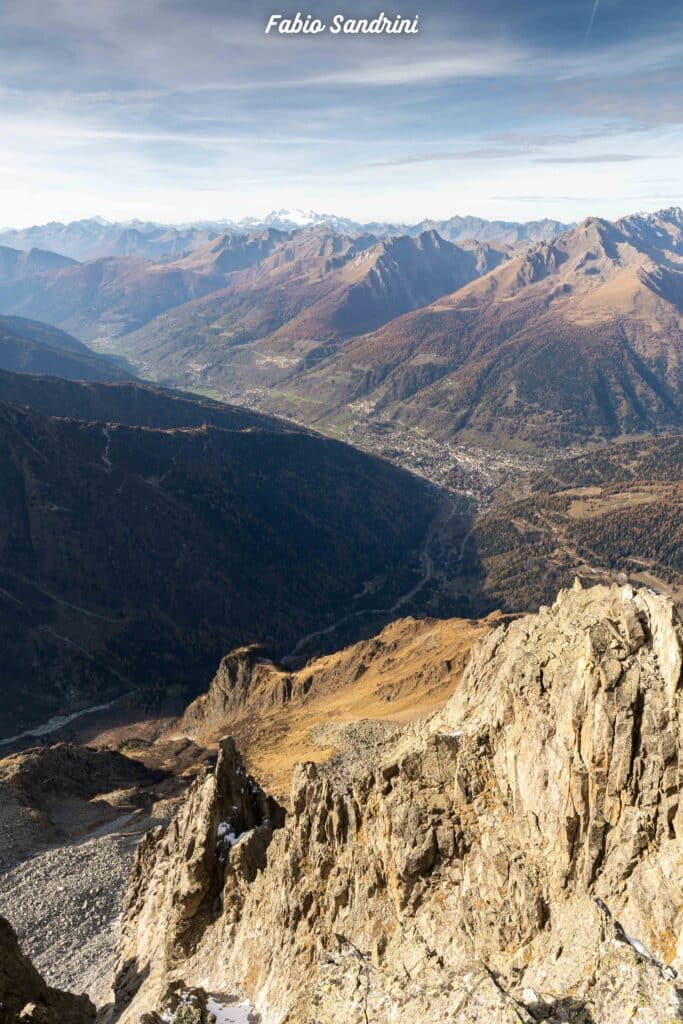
x=182 y=110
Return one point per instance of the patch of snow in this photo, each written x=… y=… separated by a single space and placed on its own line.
x=226 y=837
x=237 y=1013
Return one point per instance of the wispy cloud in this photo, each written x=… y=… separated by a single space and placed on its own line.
x=184 y=108
x=489 y=153
x=440 y=65
x=596 y=4
x=592 y=158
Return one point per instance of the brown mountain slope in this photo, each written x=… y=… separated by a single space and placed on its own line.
x=314 y=290
x=107 y=296
x=574 y=339
x=110 y=296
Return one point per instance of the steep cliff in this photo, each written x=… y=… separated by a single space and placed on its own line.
x=515 y=857
x=25 y=997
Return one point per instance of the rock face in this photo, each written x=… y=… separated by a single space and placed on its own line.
x=195 y=873
x=515 y=857
x=25 y=997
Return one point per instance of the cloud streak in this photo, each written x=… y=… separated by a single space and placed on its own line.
x=596 y=4
x=593 y=158
x=455 y=155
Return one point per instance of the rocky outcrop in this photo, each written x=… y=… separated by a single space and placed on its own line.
x=280 y=715
x=195 y=873
x=69 y=770
x=63 y=792
x=515 y=857
x=245 y=681
x=24 y=996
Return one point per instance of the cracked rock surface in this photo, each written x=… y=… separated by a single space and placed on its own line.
x=515 y=857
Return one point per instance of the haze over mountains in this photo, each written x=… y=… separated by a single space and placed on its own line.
x=29 y=346
x=94 y=237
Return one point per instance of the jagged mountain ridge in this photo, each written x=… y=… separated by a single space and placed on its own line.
x=511 y=859
x=314 y=282
x=311 y=293
x=94 y=238
x=572 y=340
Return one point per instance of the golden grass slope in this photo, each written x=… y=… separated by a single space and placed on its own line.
x=279 y=717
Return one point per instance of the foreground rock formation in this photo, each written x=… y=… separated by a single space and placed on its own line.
x=24 y=996
x=514 y=857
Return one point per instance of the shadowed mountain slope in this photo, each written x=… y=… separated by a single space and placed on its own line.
x=133 y=558
x=28 y=346
x=129 y=403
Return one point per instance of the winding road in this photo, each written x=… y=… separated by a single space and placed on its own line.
x=443 y=516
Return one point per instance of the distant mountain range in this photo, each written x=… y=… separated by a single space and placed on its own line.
x=569 y=341
x=313 y=291
x=560 y=341
x=94 y=238
x=318 y=282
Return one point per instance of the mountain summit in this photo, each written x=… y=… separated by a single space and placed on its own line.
x=570 y=340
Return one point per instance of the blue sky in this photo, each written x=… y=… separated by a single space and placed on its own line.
x=177 y=110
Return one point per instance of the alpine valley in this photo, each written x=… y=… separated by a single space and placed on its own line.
x=341 y=650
